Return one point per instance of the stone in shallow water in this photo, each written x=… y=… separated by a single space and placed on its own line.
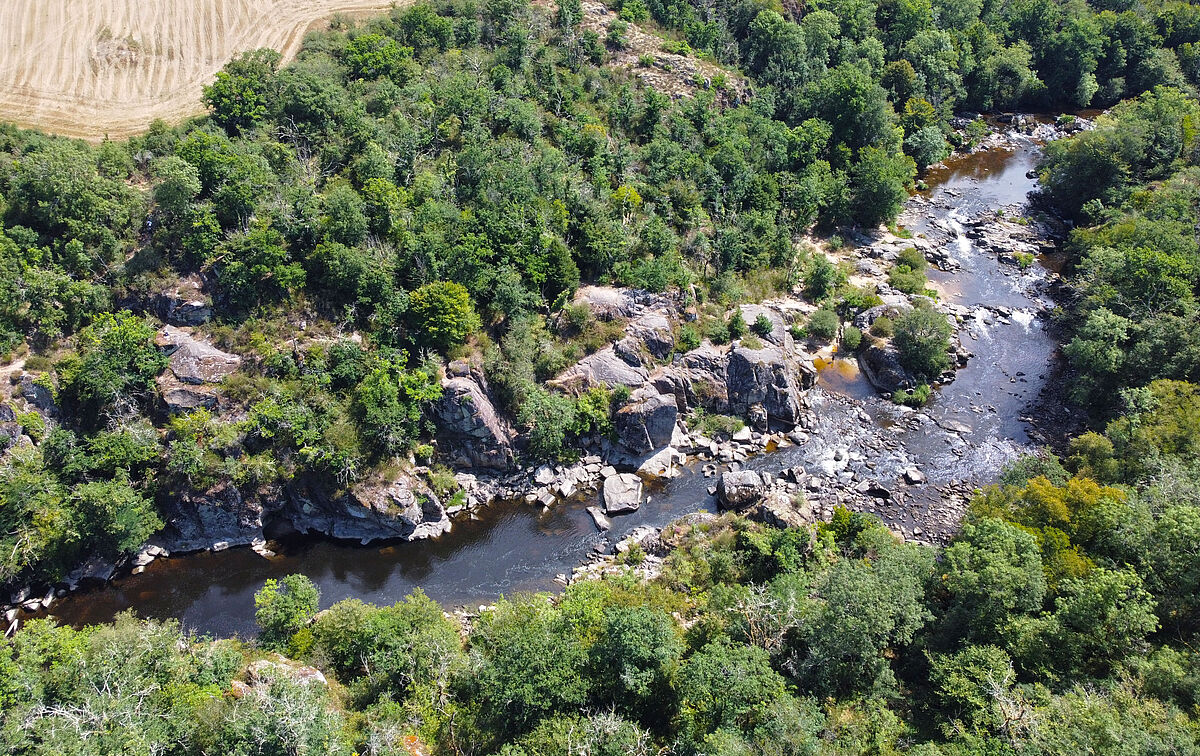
x=622 y=493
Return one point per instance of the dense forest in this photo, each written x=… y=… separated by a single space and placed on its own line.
x=433 y=185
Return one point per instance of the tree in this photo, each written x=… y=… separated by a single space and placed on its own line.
x=547 y=416
x=867 y=610
x=388 y=405
x=1174 y=562
x=371 y=56
x=970 y=686
x=283 y=607
x=923 y=340
x=441 y=315
x=725 y=687
x=991 y=573
x=634 y=659
x=114 y=370
x=116 y=518
x=1099 y=620
x=527 y=664
x=878 y=184
x=240 y=96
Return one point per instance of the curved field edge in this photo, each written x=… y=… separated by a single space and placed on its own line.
x=110 y=67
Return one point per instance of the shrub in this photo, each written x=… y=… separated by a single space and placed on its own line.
x=712 y=424
x=823 y=325
x=762 y=326
x=851 y=338
x=923 y=339
x=914 y=397
x=883 y=327
x=689 y=339
x=441 y=315
x=736 y=325
x=634 y=11
x=283 y=607
x=908 y=273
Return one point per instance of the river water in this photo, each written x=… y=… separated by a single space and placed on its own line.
x=515 y=548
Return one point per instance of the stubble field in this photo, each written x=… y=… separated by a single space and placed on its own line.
x=91 y=68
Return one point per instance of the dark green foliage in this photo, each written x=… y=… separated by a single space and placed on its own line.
x=241 y=95
x=116 y=364
x=283 y=607
x=908 y=272
x=823 y=324
x=529 y=665
x=389 y=403
x=441 y=315
x=634 y=661
x=726 y=686
x=923 y=339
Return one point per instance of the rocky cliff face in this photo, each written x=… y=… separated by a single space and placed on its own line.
x=404 y=508
x=471 y=433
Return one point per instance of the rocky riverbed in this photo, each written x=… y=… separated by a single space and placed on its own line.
x=817 y=436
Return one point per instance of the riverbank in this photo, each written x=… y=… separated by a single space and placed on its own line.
x=849 y=447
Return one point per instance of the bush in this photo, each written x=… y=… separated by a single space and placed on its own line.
x=736 y=325
x=914 y=397
x=762 y=326
x=823 y=325
x=923 y=339
x=441 y=315
x=689 y=339
x=283 y=607
x=883 y=327
x=908 y=273
x=851 y=338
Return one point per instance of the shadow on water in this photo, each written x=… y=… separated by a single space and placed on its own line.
x=510 y=548
x=513 y=547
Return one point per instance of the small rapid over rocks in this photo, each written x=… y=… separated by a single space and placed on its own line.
x=808 y=449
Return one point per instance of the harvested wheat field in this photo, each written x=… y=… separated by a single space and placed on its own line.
x=90 y=68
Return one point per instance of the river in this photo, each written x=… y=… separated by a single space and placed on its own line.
x=518 y=548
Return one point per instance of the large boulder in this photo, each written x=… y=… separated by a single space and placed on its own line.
x=766 y=376
x=193 y=361
x=698 y=380
x=404 y=509
x=469 y=427
x=606 y=302
x=653 y=329
x=603 y=368
x=881 y=364
x=181 y=398
x=622 y=493
x=740 y=489
x=784 y=511
x=780 y=335
x=647 y=421
x=38 y=396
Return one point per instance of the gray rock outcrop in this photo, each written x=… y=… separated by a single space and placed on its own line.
x=765 y=376
x=602 y=368
x=881 y=364
x=739 y=489
x=470 y=429
x=197 y=520
x=622 y=493
x=646 y=422
x=184 y=304
x=193 y=361
x=404 y=509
